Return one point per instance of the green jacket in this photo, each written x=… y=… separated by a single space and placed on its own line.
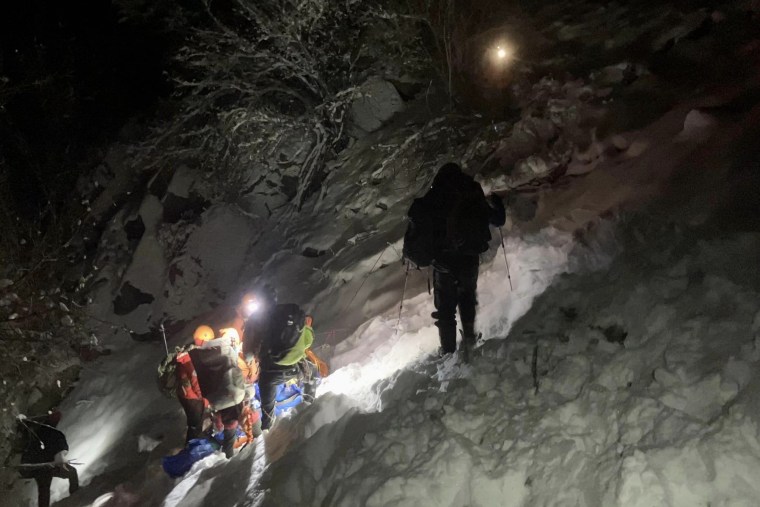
x=298 y=352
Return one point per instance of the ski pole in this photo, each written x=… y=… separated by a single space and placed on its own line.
x=163 y=333
x=401 y=305
x=503 y=249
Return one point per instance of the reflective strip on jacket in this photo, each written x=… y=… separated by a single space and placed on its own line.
x=189 y=388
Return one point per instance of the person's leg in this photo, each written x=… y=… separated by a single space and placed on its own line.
x=230 y=420
x=269 y=380
x=43 y=480
x=68 y=472
x=73 y=478
x=308 y=379
x=194 y=413
x=268 y=392
x=467 y=288
x=445 y=299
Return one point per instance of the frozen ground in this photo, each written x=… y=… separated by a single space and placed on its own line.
x=643 y=389
x=633 y=384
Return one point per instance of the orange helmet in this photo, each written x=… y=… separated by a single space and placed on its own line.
x=203 y=334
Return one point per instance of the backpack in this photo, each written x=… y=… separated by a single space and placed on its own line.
x=419 y=242
x=448 y=221
x=167 y=372
x=219 y=377
x=467 y=230
x=285 y=325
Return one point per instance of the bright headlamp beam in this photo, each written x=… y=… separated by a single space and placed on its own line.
x=252 y=307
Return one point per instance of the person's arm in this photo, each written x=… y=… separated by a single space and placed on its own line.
x=187 y=376
x=250 y=368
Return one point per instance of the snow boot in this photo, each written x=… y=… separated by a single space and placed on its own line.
x=228 y=444
x=469 y=339
x=309 y=391
x=448 y=336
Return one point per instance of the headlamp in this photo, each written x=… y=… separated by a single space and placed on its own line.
x=251 y=307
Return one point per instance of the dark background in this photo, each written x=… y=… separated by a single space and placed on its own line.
x=72 y=73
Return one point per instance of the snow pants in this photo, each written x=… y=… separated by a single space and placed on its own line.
x=44 y=477
x=455 y=285
x=229 y=418
x=270 y=377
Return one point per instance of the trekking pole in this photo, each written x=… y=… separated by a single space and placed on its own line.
x=163 y=333
x=503 y=249
x=401 y=305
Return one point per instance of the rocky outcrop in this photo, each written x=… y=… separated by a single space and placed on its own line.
x=376 y=102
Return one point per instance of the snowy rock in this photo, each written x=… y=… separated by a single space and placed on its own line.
x=739 y=372
x=209 y=264
x=146 y=443
x=377 y=101
x=523 y=208
x=484 y=383
x=640 y=485
x=186 y=191
x=569 y=377
x=5 y=283
x=703 y=400
x=151 y=212
x=532 y=167
x=616 y=374
x=688 y=25
x=696 y=126
x=614 y=74
x=638 y=420
x=182 y=182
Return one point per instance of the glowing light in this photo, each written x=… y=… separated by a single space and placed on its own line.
x=252 y=307
x=502 y=54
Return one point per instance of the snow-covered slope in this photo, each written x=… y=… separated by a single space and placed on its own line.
x=632 y=385
x=624 y=384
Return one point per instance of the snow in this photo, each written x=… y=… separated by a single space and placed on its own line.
x=666 y=417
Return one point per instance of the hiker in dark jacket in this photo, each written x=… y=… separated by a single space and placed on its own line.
x=44 y=456
x=457 y=214
x=280 y=335
x=222 y=383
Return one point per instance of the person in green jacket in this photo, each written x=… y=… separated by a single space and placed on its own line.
x=280 y=335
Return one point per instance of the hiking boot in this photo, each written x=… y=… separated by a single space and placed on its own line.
x=469 y=335
x=228 y=443
x=442 y=354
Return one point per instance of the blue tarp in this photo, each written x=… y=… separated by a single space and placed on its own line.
x=195 y=450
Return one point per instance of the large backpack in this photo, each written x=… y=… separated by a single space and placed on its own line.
x=451 y=220
x=285 y=325
x=419 y=239
x=467 y=229
x=167 y=372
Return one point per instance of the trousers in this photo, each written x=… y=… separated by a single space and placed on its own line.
x=455 y=285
